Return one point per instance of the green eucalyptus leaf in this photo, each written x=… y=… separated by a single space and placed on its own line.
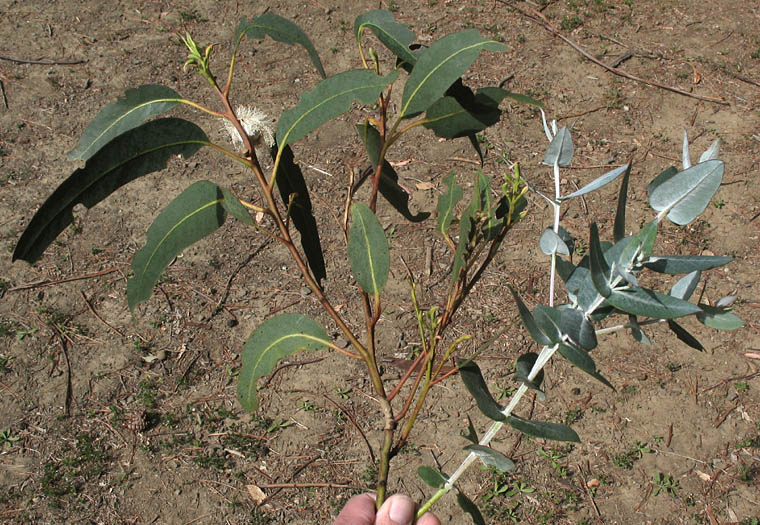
x=140 y=151
x=549 y=319
x=581 y=359
x=574 y=323
x=543 y=429
x=492 y=458
x=447 y=203
x=650 y=303
x=395 y=36
x=686 y=285
x=333 y=96
x=389 y=187
x=462 y=251
x=234 y=207
x=685 y=156
x=551 y=243
x=560 y=149
x=439 y=66
x=565 y=269
x=619 y=227
x=718 y=318
x=191 y=216
x=368 y=250
x=530 y=322
x=599 y=182
x=662 y=178
x=473 y=381
x=636 y=331
x=432 y=477
x=472 y=434
x=600 y=271
x=522 y=370
x=137 y=106
x=467 y=505
x=683 y=335
x=686 y=195
x=281 y=30
x=712 y=152
x=675 y=264
x=276 y=338
x=462 y=113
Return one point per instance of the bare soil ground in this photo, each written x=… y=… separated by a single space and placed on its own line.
x=155 y=434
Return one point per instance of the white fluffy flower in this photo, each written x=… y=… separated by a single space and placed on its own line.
x=256 y=125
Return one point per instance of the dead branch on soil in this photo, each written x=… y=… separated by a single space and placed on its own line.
x=43 y=62
x=46 y=282
x=541 y=20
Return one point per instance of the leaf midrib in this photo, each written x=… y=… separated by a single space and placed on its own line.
x=414 y=92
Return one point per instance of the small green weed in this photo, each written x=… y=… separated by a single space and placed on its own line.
x=666 y=483
x=7 y=438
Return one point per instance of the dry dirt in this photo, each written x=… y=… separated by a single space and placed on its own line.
x=695 y=416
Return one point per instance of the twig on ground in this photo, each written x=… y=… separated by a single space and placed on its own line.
x=351 y=418
x=541 y=20
x=588 y=493
x=61 y=337
x=724 y=415
x=45 y=282
x=43 y=62
x=282 y=486
x=92 y=310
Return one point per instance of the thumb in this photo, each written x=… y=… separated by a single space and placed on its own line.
x=397 y=510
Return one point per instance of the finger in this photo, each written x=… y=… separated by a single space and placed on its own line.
x=360 y=510
x=428 y=519
x=397 y=510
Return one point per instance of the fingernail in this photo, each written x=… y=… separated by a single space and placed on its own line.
x=402 y=511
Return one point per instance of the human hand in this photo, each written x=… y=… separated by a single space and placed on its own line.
x=396 y=510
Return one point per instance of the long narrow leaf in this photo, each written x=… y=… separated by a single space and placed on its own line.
x=190 y=217
x=530 y=322
x=138 y=152
x=395 y=36
x=333 y=96
x=712 y=152
x=447 y=202
x=583 y=361
x=619 y=228
x=492 y=458
x=276 y=338
x=439 y=66
x=281 y=30
x=560 y=149
x=600 y=271
x=650 y=303
x=476 y=386
x=686 y=285
x=685 y=155
x=675 y=264
x=598 y=183
x=137 y=106
x=432 y=477
x=543 y=429
x=368 y=250
x=389 y=186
